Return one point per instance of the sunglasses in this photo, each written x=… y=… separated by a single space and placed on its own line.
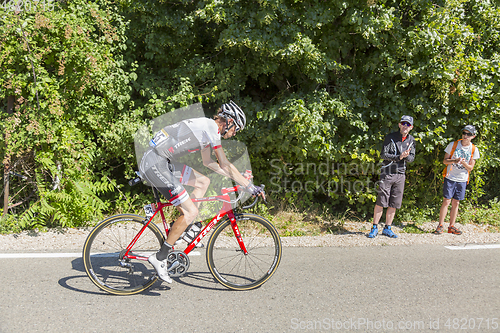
x=467 y=133
x=237 y=129
x=405 y=123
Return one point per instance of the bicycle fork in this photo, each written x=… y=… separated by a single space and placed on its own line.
x=238 y=235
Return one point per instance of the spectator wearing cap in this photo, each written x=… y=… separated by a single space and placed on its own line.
x=460 y=157
x=398 y=149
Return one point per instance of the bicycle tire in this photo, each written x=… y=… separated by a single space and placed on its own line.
x=104 y=245
x=227 y=262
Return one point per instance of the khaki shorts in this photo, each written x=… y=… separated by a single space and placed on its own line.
x=390 y=191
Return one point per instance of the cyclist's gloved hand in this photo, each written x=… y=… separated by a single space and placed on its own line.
x=254 y=190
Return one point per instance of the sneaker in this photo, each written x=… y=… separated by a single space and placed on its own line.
x=439 y=229
x=453 y=230
x=160 y=267
x=388 y=232
x=374 y=232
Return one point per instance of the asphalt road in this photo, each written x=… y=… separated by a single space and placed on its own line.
x=381 y=289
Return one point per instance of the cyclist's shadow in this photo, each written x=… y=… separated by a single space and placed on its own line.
x=77 y=265
x=201 y=280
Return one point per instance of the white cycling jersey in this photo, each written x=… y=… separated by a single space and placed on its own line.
x=187 y=136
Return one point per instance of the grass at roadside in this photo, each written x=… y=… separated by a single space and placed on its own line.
x=291 y=223
x=315 y=222
x=295 y=222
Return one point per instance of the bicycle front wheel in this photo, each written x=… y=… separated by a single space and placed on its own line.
x=104 y=250
x=236 y=270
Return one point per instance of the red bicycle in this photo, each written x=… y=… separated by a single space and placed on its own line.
x=242 y=253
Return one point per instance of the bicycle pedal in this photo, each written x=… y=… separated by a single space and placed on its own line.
x=179 y=263
x=174 y=265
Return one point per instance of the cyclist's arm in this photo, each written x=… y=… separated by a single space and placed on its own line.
x=211 y=164
x=224 y=167
x=227 y=169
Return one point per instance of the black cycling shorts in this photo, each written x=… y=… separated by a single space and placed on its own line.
x=168 y=177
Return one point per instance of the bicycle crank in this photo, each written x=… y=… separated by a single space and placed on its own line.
x=178 y=263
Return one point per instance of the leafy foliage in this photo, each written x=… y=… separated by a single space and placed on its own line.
x=321 y=82
x=63 y=130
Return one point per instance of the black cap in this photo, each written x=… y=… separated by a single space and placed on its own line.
x=470 y=128
x=408 y=119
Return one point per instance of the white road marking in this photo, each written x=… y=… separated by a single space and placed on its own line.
x=39 y=255
x=473 y=247
x=59 y=255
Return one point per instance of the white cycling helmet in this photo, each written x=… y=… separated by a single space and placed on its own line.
x=233 y=111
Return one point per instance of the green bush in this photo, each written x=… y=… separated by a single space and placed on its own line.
x=321 y=82
x=483 y=214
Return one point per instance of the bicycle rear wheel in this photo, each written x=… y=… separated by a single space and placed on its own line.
x=236 y=270
x=104 y=249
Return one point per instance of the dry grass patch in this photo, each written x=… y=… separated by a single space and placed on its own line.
x=295 y=223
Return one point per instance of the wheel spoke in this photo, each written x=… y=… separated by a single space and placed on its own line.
x=105 y=246
x=235 y=269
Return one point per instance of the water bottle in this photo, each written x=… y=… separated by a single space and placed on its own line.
x=192 y=231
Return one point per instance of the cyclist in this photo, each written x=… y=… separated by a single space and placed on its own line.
x=159 y=166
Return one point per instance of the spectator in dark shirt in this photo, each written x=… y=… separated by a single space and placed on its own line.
x=399 y=148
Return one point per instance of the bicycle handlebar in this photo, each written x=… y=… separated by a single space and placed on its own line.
x=256 y=199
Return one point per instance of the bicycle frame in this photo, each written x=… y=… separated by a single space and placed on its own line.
x=225 y=210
